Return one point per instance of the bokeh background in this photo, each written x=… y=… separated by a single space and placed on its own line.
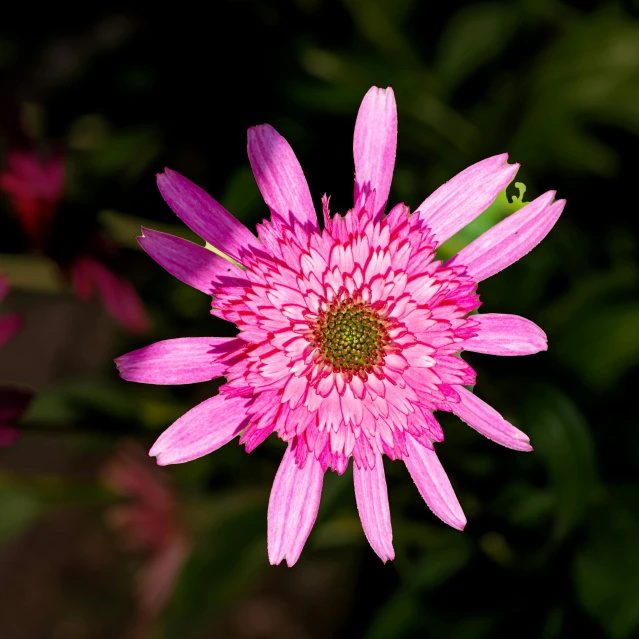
x=95 y=541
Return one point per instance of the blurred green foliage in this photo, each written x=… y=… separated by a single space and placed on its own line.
x=552 y=544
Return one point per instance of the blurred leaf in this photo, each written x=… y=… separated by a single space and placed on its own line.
x=32 y=272
x=124 y=153
x=606 y=569
x=562 y=440
x=223 y=563
x=428 y=556
x=576 y=85
x=474 y=36
x=125 y=228
x=396 y=617
x=602 y=345
x=241 y=196
x=381 y=23
x=20 y=507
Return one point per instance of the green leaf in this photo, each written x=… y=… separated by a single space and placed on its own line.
x=474 y=36
x=606 y=569
x=561 y=438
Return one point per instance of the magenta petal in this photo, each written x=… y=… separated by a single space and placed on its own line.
x=184 y=360
x=463 y=198
x=205 y=428
x=511 y=239
x=433 y=483
x=506 y=335
x=9 y=325
x=487 y=421
x=190 y=263
x=119 y=297
x=203 y=215
x=280 y=178
x=372 y=503
x=8 y=435
x=375 y=145
x=293 y=506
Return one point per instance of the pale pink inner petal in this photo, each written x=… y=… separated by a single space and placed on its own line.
x=280 y=178
x=206 y=217
x=205 y=428
x=184 y=360
x=463 y=198
x=371 y=495
x=505 y=335
x=293 y=506
x=433 y=484
x=511 y=239
x=487 y=421
x=374 y=147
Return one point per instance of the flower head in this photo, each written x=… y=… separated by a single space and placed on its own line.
x=349 y=336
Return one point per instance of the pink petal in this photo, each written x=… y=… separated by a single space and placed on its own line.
x=487 y=421
x=280 y=178
x=203 y=215
x=433 y=483
x=374 y=146
x=506 y=335
x=463 y=198
x=190 y=263
x=372 y=503
x=185 y=360
x=8 y=435
x=205 y=428
x=121 y=300
x=511 y=239
x=293 y=506
x=9 y=325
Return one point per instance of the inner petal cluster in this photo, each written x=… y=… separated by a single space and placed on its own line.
x=351 y=336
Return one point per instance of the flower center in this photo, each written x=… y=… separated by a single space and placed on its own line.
x=351 y=336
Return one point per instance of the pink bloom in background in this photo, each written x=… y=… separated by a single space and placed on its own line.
x=149 y=522
x=9 y=324
x=119 y=297
x=349 y=337
x=34 y=186
x=13 y=401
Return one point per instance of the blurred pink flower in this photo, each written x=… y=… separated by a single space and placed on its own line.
x=13 y=402
x=34 y=185
x=149 y=522
x=350 y=337
x=9 y=324
x=118 y=296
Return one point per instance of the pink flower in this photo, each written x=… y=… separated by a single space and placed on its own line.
x=9 y=324
x=349 y=337
x=149 y=522
x=34 y=186
x=119 y=297
x=13 y=401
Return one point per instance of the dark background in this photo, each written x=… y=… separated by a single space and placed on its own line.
x=552 y=543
